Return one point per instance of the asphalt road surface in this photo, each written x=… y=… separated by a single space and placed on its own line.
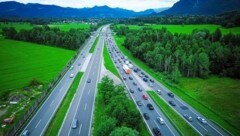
x=83 y=103
x=40 y=121
x=181 y=107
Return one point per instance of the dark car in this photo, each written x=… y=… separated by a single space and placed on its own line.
x=150 y=107
x=146 y=76
x=89 y=80
x=139 y=89
x=170 y=94
x=139 y=103
x=145 y=79
x=135 y=70
x=156 y=131
x=131 y=90
x=172 y=103
x=124 y=78
x=134 y=83
x=130 y=78
x=142 y=73
x=151 y=80
x=146 y=116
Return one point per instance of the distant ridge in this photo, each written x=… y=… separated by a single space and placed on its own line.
x=12 y=8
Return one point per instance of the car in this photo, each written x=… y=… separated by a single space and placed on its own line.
x=117 y=66
x=202 y=120
x=124 y=78
x=172 y=103
x=74 y=123
x=156 y=131
x=25 y=133
x=140 y=75
x=89 y=80
x=121 y=72
x=130 y=78
x=134 y=83
x=189 y=118
x=83 y=56
x=146 y=116
x=159 y=92
x=135 y=70
x=71 y=68
x=184 y=107
x=146 y=76
x=160 y=120
x=145 y=79
x=139 y=103
x=145 y=97
x=151 y=80
x=131 y=91
x=139 y=89
x=170 y=94
x=71 y=75
x=150 y=107
x=79 y=64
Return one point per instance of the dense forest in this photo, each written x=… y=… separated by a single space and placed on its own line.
x=227 y=19
x=196 y=55
x=49 y=36
x=119 y=115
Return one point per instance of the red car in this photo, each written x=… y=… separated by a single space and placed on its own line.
x=145 y=97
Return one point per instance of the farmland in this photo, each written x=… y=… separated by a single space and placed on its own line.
x=22 y=61
x=187 y=29
x=68 y=26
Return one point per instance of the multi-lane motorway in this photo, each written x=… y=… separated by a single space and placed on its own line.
x=82 y=106
x=40 y=121
x=181 y=107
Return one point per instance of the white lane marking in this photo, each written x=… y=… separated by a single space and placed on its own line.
x=89 y=91
x=80 y=128
x=214 y=129
x=38 y=123
x=202 y=126
x=85 y=106
x=51 y=103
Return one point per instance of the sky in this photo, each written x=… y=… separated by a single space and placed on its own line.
x=136 y=5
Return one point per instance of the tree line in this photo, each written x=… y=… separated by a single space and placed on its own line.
x=227 y=19
x=119 y=118
x=196 y=55
x=49 y=36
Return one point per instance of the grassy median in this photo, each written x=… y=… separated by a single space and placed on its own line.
x=94 y=45
x=180 y=124
x=108 y=63
x=57 y=121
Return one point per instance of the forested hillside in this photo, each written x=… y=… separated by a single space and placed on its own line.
x=196 y=55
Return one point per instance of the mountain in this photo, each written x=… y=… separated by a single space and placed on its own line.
x=12 y=8
x=202 y=7
x=160 y=9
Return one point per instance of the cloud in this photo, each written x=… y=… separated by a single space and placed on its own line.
x=137 y=5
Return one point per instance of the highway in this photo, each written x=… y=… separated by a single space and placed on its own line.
x=181 y=107
x=82 y=106
x=166 y=129
x=40 y=121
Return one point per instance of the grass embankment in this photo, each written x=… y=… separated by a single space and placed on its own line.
x=94 y=45
x=108 y=63
x=22 y=61
x=187 y=29
x=180 y=124
x=68 y=26
x=57 y=120
x=208 y=96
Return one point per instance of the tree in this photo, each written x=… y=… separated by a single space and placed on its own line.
x=106 y=127
x=124 y=131
x=203 y=65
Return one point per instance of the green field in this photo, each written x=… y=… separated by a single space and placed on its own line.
x=108 y=63
x=17 y=26
x=68 y=26
x=187 y=29
x=216 y=98
x=58 y=119
x=180 y=124
x=22 y=61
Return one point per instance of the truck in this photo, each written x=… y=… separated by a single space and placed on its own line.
x=126 y=69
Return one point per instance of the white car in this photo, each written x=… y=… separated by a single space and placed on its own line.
x=202 y=120
x=72 y=75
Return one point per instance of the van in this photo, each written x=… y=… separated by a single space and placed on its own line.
x=159 y=92
x=160 y=120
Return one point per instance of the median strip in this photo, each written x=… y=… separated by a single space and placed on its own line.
x=94 y=45
x=179 y=123
x=57 y=120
